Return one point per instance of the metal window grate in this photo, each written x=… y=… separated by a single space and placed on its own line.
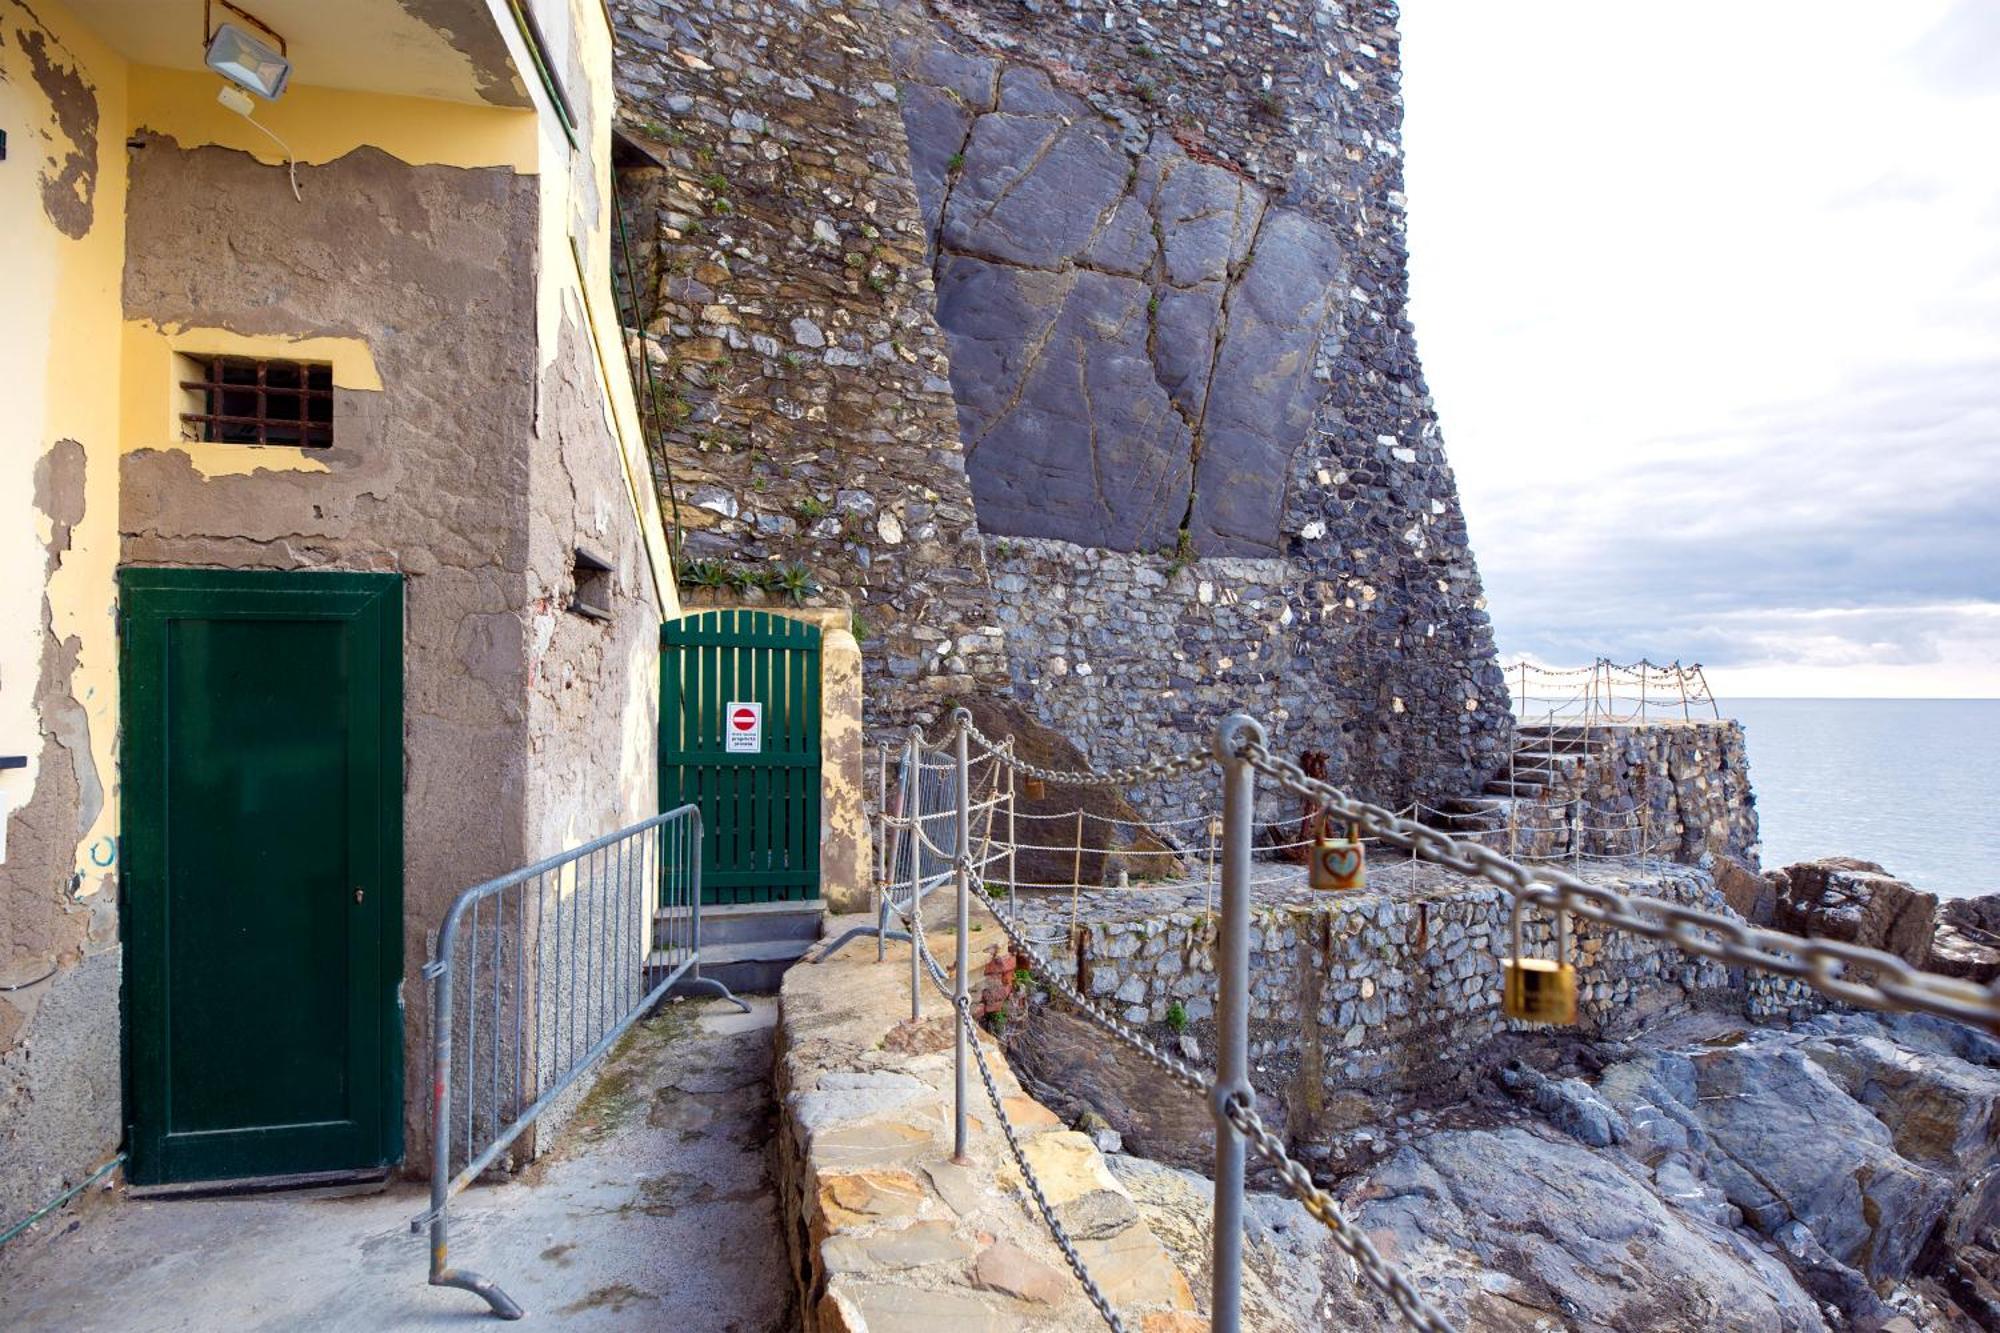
x=243 y=400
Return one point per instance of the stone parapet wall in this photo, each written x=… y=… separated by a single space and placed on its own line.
x=1674 y=789
x=884 y=1229
x=1377 y=993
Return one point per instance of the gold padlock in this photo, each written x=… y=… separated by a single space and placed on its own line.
x=1337 y=864
x=1539 y=990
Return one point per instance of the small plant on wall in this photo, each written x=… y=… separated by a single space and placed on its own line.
x=796 y=582
x=706 y=574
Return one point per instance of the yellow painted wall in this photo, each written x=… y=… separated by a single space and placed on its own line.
x=60 y=342
x=320 y=124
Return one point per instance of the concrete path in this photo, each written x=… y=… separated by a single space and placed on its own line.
x=655 y=1211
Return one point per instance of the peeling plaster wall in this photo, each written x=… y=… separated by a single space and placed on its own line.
x=429 y=476
x=62 y=197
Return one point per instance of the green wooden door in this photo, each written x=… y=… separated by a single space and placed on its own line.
x=263 y=871
x=759 y=810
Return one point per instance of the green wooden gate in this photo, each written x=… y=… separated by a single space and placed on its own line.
x=759 y=810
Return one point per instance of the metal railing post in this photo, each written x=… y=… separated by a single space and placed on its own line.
x=1232 y=1016
x=913 y=766
x=442 y=1273
x=881 y=851
x=1013 y=838
x=962 y=852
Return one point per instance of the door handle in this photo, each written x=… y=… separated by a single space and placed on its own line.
x=358 y=895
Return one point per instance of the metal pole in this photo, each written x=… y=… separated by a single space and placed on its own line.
x=442 y=1273
x=962 y=849
x=1076 y=879
x=913 y=805
x=1232 y=1018
x=881 y=851
x=1013 y=839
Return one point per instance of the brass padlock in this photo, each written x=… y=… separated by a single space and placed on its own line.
x=1034 y=788
x=1539 y=990
x=1337 y=864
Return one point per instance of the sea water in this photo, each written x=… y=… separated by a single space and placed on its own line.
x=1913 y=784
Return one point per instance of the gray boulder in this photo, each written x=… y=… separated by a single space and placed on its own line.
x=1502 y=1228
x=1788 y=1143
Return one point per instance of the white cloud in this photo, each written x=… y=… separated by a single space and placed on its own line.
x=1709 y=297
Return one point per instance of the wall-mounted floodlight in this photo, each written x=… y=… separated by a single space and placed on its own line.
x=248 y=62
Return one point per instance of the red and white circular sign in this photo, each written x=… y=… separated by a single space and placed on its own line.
x=744 y=732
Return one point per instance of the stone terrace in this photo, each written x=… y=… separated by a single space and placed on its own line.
x=1381 y=991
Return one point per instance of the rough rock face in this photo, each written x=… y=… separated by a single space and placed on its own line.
x=1967 y=943
x=1841 y=1173
x=1169 y=267
x=1840 y=898
x=1491 y=1221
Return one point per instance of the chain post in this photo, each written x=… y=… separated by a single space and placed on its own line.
x=1013 y=839
x=1232 y=1016
x=962 y=850
x=913 y=766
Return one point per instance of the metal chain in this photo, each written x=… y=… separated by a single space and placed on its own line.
x=1353 y=1242
x=1193 y=1080
x=1157 y=768
x=1823 y=963
x=962 y=1005
x=1243 y=1116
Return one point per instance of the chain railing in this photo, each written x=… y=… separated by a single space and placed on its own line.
x=536 y=975
x=937 y=822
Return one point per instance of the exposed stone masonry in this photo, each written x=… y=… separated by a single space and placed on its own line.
x=1361 y=997
x=1156 y=254
x=803 y=398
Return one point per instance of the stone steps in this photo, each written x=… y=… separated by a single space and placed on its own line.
x=748 y=946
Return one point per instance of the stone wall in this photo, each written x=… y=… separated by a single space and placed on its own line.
x=1170 y=265
x=1678 y=790
x=803 y=404
x=1360 y=997
x=1154 y=259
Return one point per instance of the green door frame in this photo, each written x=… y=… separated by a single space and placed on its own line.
x=151 y=600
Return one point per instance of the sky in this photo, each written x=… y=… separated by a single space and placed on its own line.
x=1708 y=295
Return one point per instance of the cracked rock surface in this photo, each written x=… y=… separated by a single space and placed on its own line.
x=1133 y=331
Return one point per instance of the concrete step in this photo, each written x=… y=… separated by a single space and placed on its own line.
x=1515 y=787
x=752 y=968
x=745 y=923
x=1471 y=805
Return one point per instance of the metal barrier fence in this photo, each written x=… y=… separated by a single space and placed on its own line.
x=1847 y=973
x=536 y=975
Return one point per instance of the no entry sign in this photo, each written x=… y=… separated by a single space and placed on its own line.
x=743 y=728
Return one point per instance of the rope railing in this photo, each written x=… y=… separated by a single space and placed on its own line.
x=1607 y=693
x=1848 y=973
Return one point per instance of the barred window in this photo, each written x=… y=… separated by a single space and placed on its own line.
x=245 y=400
